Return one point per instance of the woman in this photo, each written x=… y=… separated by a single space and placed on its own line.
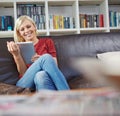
x=43 y=73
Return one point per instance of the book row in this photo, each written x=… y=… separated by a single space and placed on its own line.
x=114 y=19
x=39 y=20
x=61 y=22
x=30 y=9
x=36 y=12
x=91 y=20
x=6 y=23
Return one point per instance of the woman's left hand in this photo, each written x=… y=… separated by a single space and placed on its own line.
x=35 y=57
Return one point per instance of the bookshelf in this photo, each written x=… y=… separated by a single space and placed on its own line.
x=69 y=10
x=93 y=9
x=64 y=9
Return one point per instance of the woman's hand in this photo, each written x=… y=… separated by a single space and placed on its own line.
x=13 y=48
x=35 y=57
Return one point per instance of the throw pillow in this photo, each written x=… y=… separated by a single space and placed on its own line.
x=111 y=61
x=109 y=55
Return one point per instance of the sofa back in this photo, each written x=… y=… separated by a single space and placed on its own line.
x=8 y=71
x=83 y=45
x=67 y=46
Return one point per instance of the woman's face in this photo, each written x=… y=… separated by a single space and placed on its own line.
x=27 y=31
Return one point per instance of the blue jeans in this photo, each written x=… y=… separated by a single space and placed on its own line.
x=43 y=81
x=44 y=63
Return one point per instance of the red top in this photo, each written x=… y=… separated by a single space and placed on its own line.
x=45 y=45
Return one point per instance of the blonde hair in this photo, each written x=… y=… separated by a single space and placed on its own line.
x=19 y=21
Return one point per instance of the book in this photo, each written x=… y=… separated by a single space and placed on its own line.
x=83 y=20
x=101 y=20
x=27 y=51
x=61 y=22
x=51 y=21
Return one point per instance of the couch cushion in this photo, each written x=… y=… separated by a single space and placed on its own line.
x=81 y=82
x=8 y=70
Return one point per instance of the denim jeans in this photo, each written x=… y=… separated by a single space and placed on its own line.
x=44 y=63
x=43 y=81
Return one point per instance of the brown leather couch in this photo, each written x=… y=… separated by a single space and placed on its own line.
x=68 y=46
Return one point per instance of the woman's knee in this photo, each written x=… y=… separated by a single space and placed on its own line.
x=40 y=77
x=43 y=81
x=46 y=56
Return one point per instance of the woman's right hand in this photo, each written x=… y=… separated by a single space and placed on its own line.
x=35 y=57
x=13 y=48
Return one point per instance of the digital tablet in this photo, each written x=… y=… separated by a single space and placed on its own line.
x=27 y=51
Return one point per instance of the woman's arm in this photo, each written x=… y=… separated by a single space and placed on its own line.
x=13 y=48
